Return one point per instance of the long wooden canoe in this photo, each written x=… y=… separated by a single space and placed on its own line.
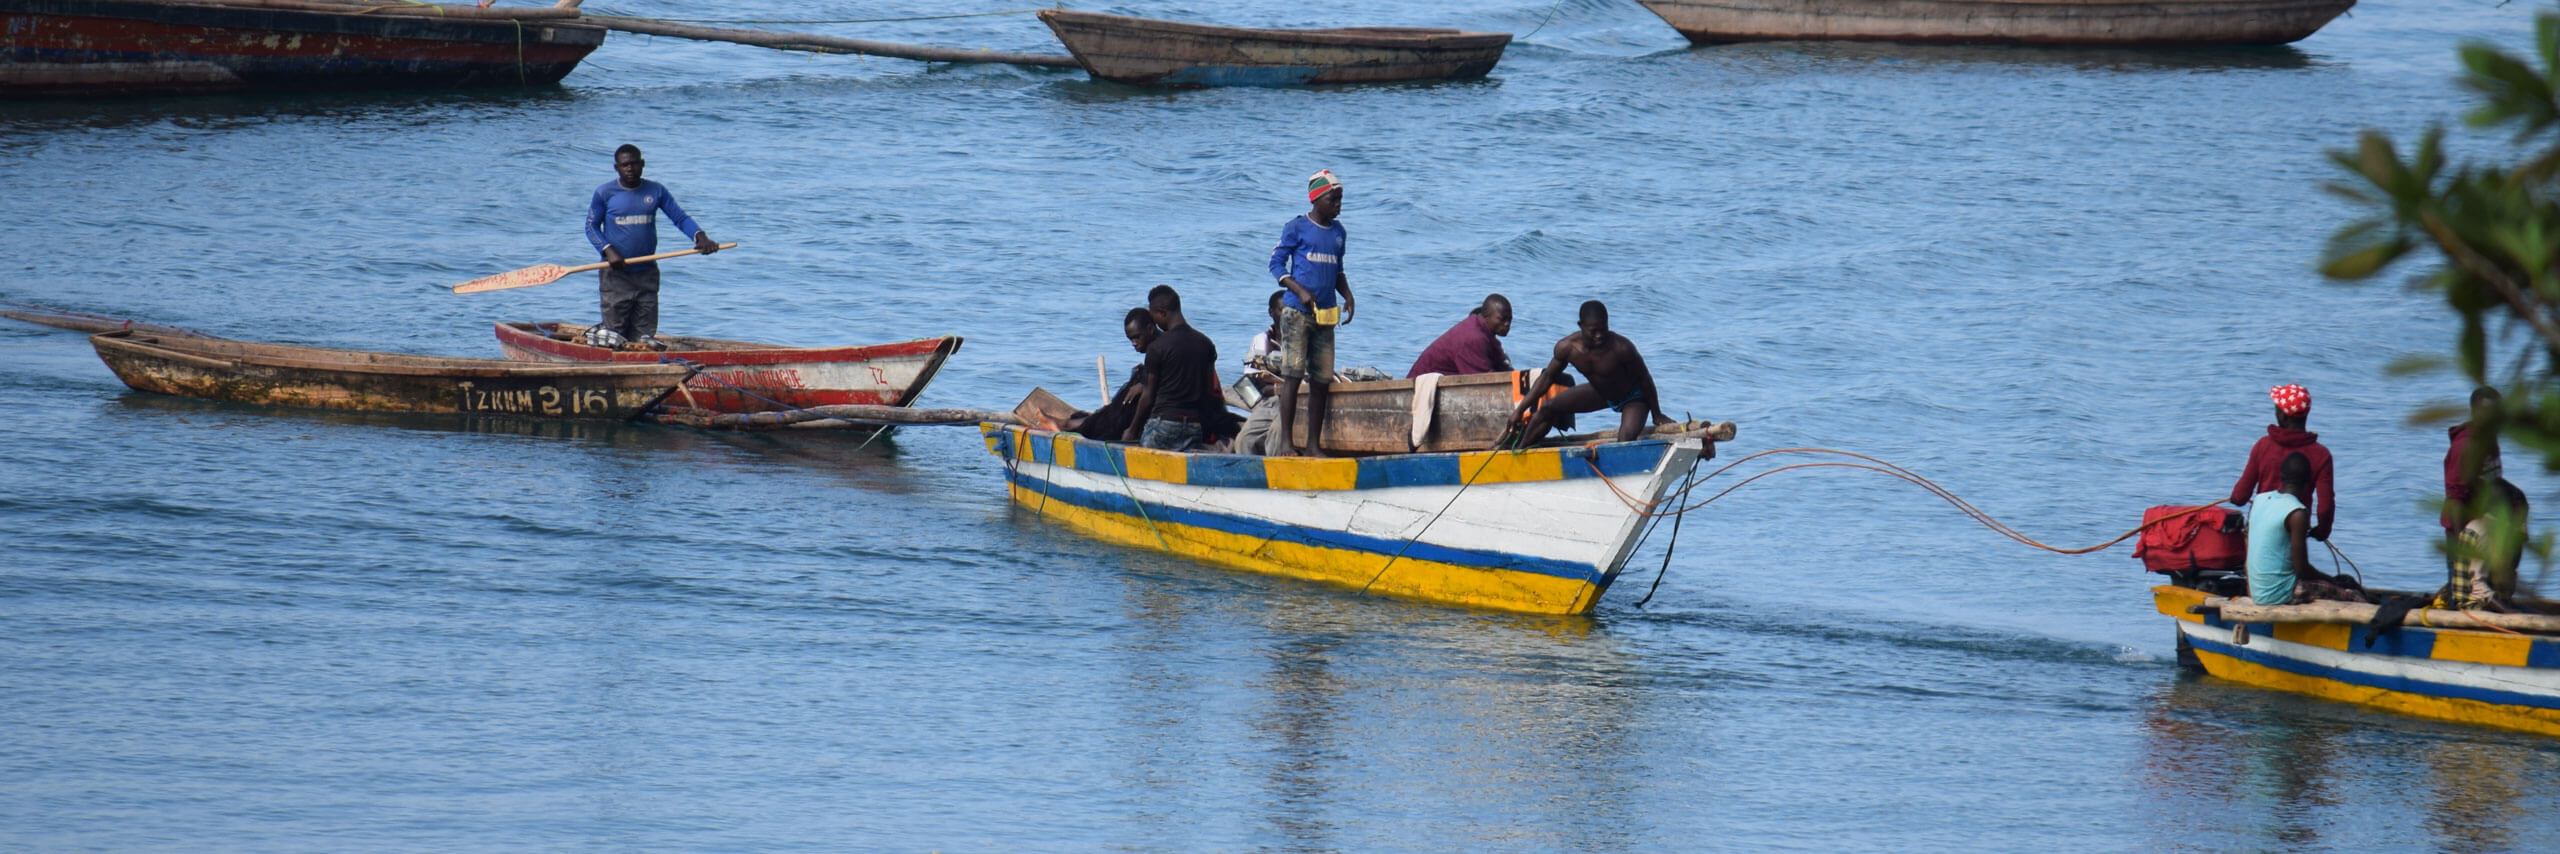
x=1145 y=52
x=289 y=375
x=2056 y=22
x=1545 y=530
x=89 y=48
x=744 y=376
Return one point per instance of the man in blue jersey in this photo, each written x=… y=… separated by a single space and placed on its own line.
x=622 y=222
x=1308 y=263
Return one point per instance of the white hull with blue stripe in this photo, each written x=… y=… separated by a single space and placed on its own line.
x=2469 y=672
x=1544 y=530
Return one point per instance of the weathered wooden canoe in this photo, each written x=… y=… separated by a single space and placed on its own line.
x=1467 y=412
x=89 y=48
x=288 y=375
x=1145 y=52
x=1470 y=412
x=1545 y=530
x=2485 y=669
x=743 y=376
x=2057 y=22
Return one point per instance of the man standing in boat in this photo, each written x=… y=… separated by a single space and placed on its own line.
x=1618 y=380
x=2287 y=436
x=1474 y=346
x=1308 y=263
x=1182 y=379
x=622 y=222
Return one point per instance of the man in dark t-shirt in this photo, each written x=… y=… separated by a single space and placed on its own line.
x=1182 y=378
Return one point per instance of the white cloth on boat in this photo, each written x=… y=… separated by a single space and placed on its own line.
x=1426 y=397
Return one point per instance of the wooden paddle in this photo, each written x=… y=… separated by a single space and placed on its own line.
x=544 y=274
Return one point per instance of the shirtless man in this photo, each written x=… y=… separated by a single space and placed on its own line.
x=1618 y=380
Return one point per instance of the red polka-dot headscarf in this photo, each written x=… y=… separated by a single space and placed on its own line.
x=2290 y=399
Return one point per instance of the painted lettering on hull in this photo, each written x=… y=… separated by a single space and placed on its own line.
x=546 y=401
x=764 y=380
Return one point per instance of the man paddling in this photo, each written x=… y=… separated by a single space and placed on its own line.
x=622 y=222
x=1618 y=380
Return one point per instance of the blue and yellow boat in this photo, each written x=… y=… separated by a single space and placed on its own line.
x=1542 y=530
x=2490 y=670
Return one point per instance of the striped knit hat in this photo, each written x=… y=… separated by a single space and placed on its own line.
x=2290 y=399
x=1318 y=183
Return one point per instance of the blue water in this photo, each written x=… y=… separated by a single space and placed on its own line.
x=2059 y=282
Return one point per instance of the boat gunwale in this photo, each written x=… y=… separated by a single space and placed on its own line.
x=943 y=345
x=452 y=366
x=1596 y=467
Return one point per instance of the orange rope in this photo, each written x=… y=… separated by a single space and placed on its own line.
x=1646 y=508
x=2486 y=624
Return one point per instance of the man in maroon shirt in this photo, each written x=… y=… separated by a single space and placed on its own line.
x=2459 y=487
x=2286 y=436
x=1471 y=347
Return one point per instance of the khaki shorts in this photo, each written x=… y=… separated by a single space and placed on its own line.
x=1306 y=349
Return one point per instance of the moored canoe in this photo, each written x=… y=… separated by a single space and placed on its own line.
x=289 y=375
x=1145 y=52
x=2053 y=22
x=89 y=48
x=744 y=376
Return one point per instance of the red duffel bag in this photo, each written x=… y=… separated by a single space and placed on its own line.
x=2193 y=541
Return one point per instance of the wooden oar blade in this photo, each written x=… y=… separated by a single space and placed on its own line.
x=540 y=274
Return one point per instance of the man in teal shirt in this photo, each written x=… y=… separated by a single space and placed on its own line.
x=2280 y=570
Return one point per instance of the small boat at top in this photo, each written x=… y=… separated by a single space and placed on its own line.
x=2160 y=23
x=744 y=376
x=90 y=48
x=1145 y=52
x=2499 y=670
x=1543 y=530
x=323 y=378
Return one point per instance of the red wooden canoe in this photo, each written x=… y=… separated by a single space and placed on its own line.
x=743 y=376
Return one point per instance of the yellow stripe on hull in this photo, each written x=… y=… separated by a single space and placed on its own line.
x=1410 y=578
x=2541 y=721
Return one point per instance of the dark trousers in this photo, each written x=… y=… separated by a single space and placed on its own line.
x=630 y=301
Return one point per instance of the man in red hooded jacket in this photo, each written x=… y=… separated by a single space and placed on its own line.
x=2286 y=436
